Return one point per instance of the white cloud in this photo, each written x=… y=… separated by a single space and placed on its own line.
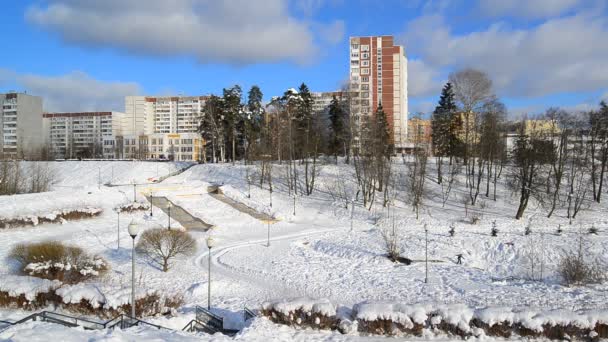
x=527 y=8
x=239 y=31
x=332 y=33
x=422 y=79
x=559 y=55
x=75 y=91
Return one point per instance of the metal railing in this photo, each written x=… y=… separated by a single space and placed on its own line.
x=248 y=314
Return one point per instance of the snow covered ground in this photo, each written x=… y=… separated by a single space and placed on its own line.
x=313 y=253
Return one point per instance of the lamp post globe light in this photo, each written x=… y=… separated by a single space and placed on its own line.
x=133 y=231
x=210 y=244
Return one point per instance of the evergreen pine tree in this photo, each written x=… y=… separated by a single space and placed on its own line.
x=382 y=132
x=337 y=129
x=443 y=136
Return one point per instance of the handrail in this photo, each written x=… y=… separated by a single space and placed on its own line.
x=248 y=314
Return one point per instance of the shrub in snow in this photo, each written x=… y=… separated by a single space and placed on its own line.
x=133 y=206
x=593 y=230
x=303 y=312
x=162 y=245
x=57 y=216
x=453 y=319
x=53 y=260
x=494 y=231
x=576 y=268
x=559 y=230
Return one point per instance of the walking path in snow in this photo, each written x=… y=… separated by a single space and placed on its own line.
x=216 y=192
x=180 y=215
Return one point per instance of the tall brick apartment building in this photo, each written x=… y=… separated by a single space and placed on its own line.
x=378 y=74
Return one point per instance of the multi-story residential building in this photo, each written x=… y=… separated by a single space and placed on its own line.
x=322 y=100
x=82 y=134
x=162 y=128
x=22 y=133
x=419 y=132
x=378 y=75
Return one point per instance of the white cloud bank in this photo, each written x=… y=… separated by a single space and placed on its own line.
x=238 y=31
x=566 y=54
x=72 y=92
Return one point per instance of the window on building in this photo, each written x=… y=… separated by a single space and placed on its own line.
x=354 y=46
x=364 y=47
x=365 y=63
x=365 y=79
x=365 y=87
x=364 y=71
x=365 y=55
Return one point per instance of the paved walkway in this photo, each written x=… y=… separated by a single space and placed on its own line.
x=216 y=192
x=180 y=215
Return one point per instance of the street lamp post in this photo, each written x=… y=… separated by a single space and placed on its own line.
x=352 y=213
x=268 y=241
x=117 y=228
x=294 y=204
x=134 y=191
x=133 y=230
x=210 y=243
x=248 y=184
x=151 y=197
x=99 y=178
x=169 y=205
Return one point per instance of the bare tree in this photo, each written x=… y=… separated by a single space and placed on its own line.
x=161 y=245
x=530 y=154
x=559 y=135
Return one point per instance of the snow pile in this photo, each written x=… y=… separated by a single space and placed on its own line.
x=86 y=268
x=384 y=318
x=308 y=305
x=303 y=312
x=29 y=287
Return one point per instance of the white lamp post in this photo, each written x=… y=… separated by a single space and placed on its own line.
x=133 y=230
x=352 y=213
x=169 y=205
x=151 y=197
x=117 y=227
x=210 y=244
x=134 y=191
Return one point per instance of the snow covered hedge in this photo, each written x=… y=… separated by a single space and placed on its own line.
x=53 y=260
x=55 y=216
x=456 y=320
x=133 y=206
x=90 y=299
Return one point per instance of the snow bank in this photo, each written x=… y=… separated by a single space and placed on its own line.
x=386 y=318
x=30 y=287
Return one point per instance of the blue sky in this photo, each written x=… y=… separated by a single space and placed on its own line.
x=87 y=54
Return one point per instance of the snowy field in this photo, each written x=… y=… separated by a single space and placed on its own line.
x=313 y=253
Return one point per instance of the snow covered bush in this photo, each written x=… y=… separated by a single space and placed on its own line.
x=17 y=179
x=53 y=260
x=576 y=270
x=133 y=206
x=161 y=245
x=56 y=216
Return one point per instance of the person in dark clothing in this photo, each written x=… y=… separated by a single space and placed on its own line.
x=459 y=259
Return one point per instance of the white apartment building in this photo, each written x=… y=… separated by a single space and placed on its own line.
x=21 y=121
x=322 y=100
x=378 y=75
x=162 y=127
x=82 y=134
